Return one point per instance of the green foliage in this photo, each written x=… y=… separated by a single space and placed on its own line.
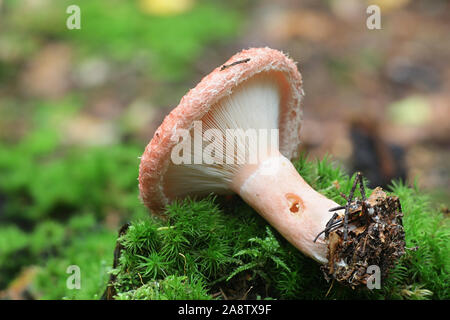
x=156 y=249
x=133 y=31
x=13 y=243
x=261 y=255
x=171 y=288
x=427 y=268
x=54 y=199
x=47 y=236
x=11 y=239
x=53 y=247
x=92 y=254
x=119 y=30
x=59 y=184
x=42 y=179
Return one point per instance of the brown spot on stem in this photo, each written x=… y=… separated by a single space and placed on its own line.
x=295 y=203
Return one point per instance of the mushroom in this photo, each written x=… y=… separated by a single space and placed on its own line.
x=258 y=89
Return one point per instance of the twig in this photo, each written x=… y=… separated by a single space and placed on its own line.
x=246 y=293
x=223 y=294
x=331 y=286
x=184 y=267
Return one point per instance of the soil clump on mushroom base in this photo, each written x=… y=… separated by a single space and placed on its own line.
x=377 y=239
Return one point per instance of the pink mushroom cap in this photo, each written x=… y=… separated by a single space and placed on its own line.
x=197 y=102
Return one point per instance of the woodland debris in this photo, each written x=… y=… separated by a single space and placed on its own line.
x=377 y=239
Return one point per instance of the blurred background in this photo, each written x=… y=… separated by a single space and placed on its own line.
x=77 y=108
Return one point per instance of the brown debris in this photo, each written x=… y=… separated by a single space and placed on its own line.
x=19 y=289
x=110 y=290
x=378 y=239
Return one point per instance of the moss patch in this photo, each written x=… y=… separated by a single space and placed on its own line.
x=227 y=248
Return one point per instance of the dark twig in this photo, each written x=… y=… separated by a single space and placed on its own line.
x=225 y=66
x=347 y=206
x=336 y=209
x=334 y=223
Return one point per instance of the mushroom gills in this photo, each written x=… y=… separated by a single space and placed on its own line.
x=254 y=105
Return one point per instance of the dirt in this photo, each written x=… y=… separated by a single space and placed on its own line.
x=378 y=238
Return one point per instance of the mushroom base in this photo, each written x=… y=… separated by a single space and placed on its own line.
x=377 y=242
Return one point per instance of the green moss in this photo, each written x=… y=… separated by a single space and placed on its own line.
x=54 y=197
x=171 y=288
x=53 y=247
x=13 y=242
x=429 y=266
x=42 y=179
x=118 y=30
x=48 y=235
x=220 y=243
x=92 y=254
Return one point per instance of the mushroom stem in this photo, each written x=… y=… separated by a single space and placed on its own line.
x=290 y=205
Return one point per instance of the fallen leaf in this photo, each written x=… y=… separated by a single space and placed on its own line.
x=333 y=245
